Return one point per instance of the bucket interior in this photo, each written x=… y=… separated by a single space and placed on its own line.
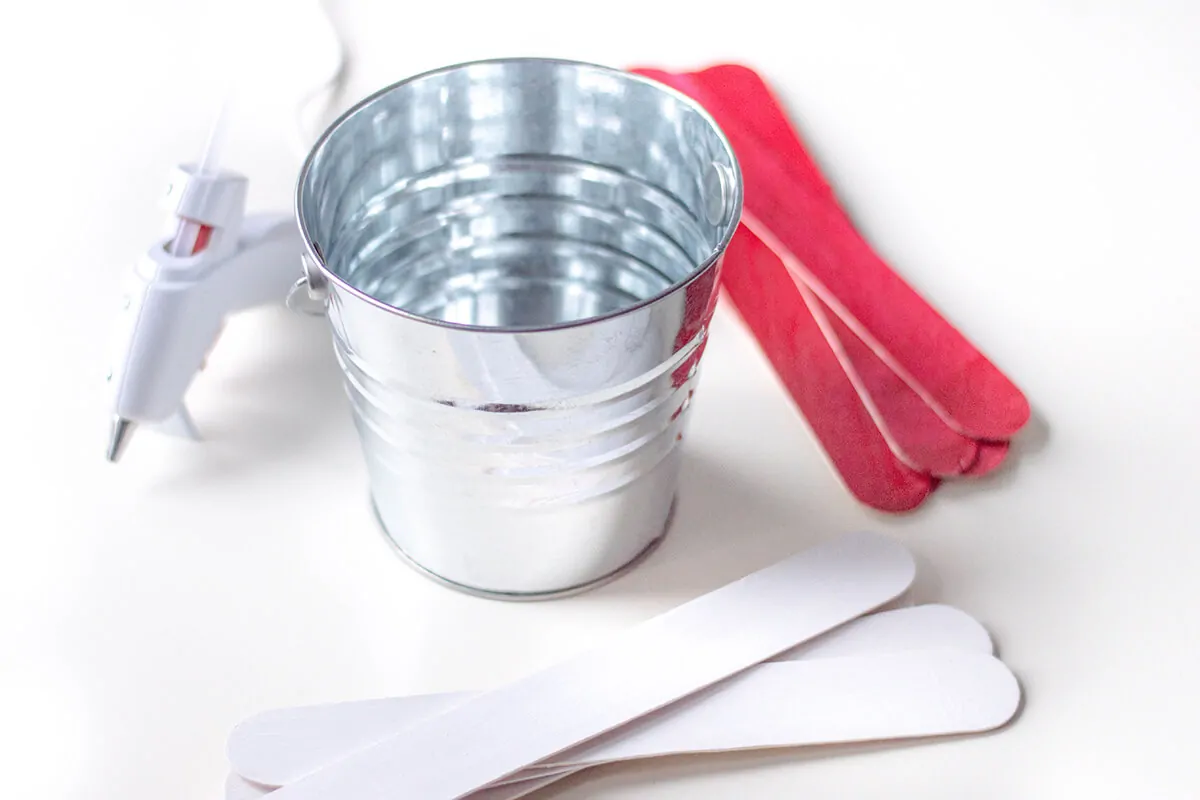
x=520 y=194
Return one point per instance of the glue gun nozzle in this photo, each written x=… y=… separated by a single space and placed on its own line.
x=118 y=438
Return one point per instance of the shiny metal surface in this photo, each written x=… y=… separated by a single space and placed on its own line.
x=557 y=594
x=300 y=300
x=521 y=260
x=119 y=434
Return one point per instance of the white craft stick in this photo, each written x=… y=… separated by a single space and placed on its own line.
x=825 y=701
x=836 y=701
x=280 y=746
x=901 y=630
x=920 y=694
x=238 y=788
x=265 y=742
x=511 y=791
x=497 y=733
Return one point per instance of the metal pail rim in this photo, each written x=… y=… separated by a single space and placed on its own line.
x=732 y=213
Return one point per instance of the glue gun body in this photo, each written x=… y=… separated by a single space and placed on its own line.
x=174 y=307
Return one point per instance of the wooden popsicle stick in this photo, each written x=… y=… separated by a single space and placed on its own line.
x=916 y=434
x=513 y=791
x=824 y=701
x=899 y=325
x=930 y=626
x=913 y=432
x=497 y=733
x=281 y=746
x=238 y=788
x=764 y=293
x=918 y=694
x=912 y=696
x=991 y=456
x=956 y=384
x=744 y=92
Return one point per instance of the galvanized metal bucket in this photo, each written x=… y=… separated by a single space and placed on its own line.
x=519 y=259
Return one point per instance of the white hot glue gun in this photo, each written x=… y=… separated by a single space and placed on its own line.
x=216 y=262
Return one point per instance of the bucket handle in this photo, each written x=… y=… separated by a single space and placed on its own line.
x=310 y=294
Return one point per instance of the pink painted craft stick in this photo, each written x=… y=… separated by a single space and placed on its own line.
x=765 y=294
x=991 y=456
x=915 y=433
x=785 y=188
x=765 y=114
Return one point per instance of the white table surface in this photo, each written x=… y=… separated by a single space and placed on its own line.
x=1033 y=170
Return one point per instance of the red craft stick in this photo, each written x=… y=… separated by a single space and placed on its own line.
x=911 y=430
x=914 y=432
x=965 y=389
x=756 y=279
x=765 y=114
x=915 y=435
x=743 y=90
x=991 y=456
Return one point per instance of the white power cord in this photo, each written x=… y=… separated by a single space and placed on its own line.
x=311 y=115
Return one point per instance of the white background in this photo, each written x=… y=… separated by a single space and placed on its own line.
x=1032 y=167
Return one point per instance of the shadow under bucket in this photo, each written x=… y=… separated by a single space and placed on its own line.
x=519 y=261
